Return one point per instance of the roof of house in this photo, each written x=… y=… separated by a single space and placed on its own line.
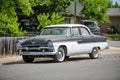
x=113 y=12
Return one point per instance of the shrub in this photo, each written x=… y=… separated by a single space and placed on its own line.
x=114 y=36
x=49 y=19
x=9 y=26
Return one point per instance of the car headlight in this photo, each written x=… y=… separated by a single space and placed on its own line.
x=18 y=45
x=50 y=44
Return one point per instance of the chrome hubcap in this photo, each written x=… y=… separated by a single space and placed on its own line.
x=95 y=53
x=60 y=56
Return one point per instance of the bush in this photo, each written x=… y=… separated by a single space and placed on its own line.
x=9 y=26
x=114 y=36
x=49 y=19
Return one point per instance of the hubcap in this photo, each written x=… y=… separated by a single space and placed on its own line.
x=60 y=56
x=95 y=53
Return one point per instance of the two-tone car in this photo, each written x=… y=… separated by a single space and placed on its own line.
x=61 y=42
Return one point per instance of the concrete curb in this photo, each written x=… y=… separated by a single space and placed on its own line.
x=114 y=48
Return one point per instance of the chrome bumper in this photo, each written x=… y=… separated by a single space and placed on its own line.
x=37 y=53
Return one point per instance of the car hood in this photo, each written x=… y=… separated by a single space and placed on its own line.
x=42 y=39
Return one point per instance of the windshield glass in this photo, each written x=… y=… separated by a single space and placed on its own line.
x=56 y=31
x=90 y=24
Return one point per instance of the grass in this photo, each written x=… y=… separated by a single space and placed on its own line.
x=114 y=36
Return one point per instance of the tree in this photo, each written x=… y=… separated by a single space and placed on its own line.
x=116 y=5
x=12 y=10
x=49 y=19
x=47 y=11
x=8 y=16
x=96 y=9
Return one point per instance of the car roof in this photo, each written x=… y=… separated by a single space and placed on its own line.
x=66 y=25
x=69 y=25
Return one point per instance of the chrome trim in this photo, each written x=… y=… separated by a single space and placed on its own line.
x=37 y=53
x=33 y=48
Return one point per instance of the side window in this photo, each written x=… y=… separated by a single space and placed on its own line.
x=84 y=31
x=76 y=31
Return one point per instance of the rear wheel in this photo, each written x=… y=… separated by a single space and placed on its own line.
x=27 y=59
x=60 y=56
x=94 y=54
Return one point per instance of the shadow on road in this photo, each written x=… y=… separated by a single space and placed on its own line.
x=50 y=61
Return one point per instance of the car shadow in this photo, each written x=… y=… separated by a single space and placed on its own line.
x=50 y=61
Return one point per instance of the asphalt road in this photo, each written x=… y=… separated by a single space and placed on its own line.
x=107 y=67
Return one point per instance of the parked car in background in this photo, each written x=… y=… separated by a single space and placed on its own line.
x=92 y=25
x=60 y=42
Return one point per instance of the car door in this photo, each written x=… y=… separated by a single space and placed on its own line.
x=88 y=39
x=76 y=40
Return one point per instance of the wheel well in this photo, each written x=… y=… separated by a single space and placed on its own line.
x=65 y=48
x=97 y=47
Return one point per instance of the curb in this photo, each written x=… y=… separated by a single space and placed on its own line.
x=114 y=48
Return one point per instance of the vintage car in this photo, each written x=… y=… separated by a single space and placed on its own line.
x=60 y=42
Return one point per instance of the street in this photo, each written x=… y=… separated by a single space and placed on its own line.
x=106 y=67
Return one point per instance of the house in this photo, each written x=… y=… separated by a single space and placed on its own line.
x=114 y=15
x=73 y=13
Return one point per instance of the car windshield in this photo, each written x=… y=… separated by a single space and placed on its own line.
x=56 y=31
x=90 y=24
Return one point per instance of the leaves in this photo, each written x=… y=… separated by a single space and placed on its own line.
x=49 y=19
x=10 y=9
x=96 y=10
x=8 y=19
x=25 y=6
x=9 y=26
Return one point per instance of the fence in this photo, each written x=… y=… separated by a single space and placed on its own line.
x=8 y=45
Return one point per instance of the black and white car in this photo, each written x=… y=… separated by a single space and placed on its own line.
x=60 y=42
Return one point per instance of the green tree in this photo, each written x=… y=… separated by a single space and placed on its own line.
x=96 y=9
x=12 y=10
x=8 y=17
x=47 y=11
x=116 y=5
x=49 y=19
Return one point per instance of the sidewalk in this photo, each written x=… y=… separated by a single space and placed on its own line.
x=8 y=59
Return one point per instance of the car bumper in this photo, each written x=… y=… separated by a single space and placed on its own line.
x=37 y=53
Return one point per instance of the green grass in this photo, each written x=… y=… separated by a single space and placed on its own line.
x=114 y=36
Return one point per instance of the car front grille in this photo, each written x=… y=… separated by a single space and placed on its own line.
x=35 y=45
x=36 y=49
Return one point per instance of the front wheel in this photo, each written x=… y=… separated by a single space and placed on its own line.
x=60 y=56
x=27 y=59
x=94 y=54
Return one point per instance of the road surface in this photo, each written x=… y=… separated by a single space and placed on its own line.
x=107 y=67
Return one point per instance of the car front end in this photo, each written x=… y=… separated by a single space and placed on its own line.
x=30 y=47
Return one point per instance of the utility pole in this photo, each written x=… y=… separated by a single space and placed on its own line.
x=74 y=11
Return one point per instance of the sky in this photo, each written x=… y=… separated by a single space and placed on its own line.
x=116 y=1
